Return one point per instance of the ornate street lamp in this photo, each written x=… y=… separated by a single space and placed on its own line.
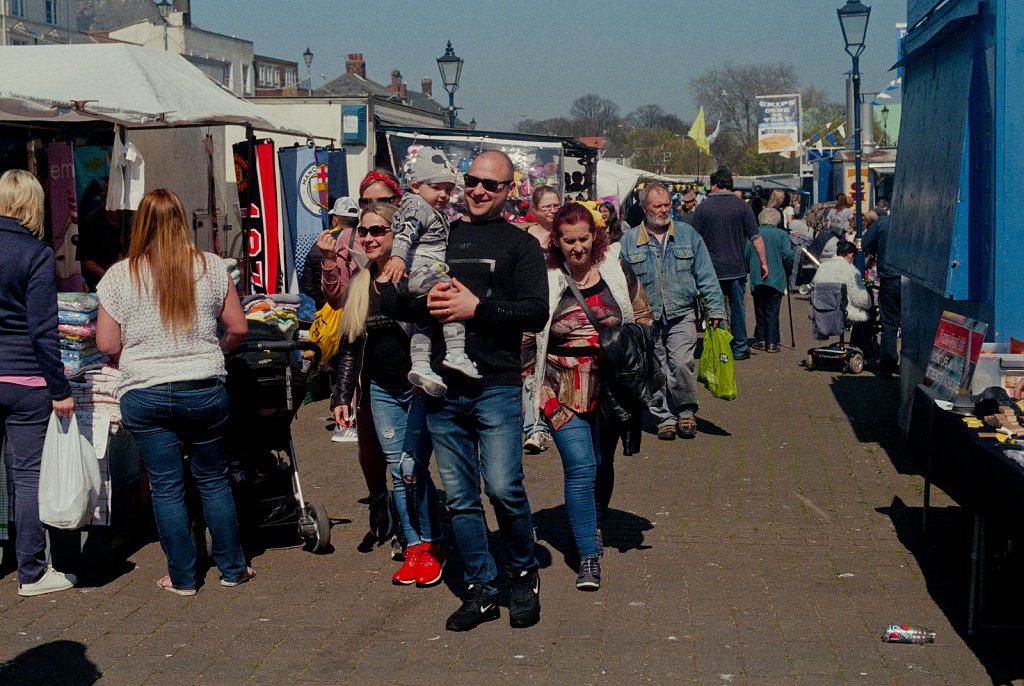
x=885 y=125
x=165 y=7
x=853 y=20
x=308 y=56
x=451 y=69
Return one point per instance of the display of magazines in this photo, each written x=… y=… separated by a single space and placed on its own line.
x=954 y=355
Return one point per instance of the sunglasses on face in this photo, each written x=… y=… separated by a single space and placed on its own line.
x=376 y=231
x=490 y=185
x=388 y=200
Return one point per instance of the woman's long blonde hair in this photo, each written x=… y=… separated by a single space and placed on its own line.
x=357 y=301
x=21 y=197
x=160 y=240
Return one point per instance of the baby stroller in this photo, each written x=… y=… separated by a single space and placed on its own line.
x=266 y=384
x=828 y=318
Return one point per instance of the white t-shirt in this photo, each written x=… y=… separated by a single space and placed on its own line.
x=151 y=353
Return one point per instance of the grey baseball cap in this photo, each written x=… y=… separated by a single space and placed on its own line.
x=345 y=207
x=430 y=165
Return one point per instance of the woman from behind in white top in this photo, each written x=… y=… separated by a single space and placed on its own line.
x=159 y=310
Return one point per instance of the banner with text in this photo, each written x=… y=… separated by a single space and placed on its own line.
x=955 y=353
x=778 y=123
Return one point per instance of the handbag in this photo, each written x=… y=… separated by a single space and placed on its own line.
x=324 y=332
x=626 y=358
x=69 y=477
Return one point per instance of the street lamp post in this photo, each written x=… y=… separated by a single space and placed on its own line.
x=451 y=70
x=165 y=7
x=885 y=125
x=853 y=20
x=308 y=56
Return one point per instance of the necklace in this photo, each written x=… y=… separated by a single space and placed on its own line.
x=582 y=283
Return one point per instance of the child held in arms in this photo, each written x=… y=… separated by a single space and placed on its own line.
x=421 y=241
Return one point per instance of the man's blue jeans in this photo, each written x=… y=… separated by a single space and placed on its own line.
x=400 y=418
x=161 y=421
x=579 y=444
x=479 y=435
x=735 y=291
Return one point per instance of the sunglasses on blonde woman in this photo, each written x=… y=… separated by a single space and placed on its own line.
x=376 y=230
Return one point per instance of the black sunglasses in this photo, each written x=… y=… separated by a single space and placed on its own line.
x=388 y=200
x=376 y=231
x=490 y=185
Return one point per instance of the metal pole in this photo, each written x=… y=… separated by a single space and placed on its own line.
x=451 y=109
x=858 y=186
x=309 y=80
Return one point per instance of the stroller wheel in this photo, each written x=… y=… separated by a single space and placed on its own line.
x=810 y=361
x=320 y=536
x=856 y=363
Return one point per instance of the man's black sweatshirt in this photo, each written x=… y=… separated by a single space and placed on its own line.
x=503 y=266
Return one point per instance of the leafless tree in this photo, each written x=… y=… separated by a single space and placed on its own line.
x=594 y=114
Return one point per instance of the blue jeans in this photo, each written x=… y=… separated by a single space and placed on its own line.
x=735 y=291
x=401 y=422
x=162 y=422
x=579 y=444
x=24 y=416
x=479 y=435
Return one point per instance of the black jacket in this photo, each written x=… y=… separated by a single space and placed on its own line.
x=631 y=376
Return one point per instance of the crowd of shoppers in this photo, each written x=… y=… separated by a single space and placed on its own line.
x=532 y=305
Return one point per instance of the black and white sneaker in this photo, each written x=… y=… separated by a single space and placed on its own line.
x=524 y=601
x=478 y=607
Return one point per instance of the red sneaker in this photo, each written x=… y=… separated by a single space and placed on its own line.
x=407 y=573
x=430 y=565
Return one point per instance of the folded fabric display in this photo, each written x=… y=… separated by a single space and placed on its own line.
x=82 y=330
x=77 y=302
x=76 y=316
x=279 y=310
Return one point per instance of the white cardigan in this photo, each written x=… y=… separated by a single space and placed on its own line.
x=614 y=277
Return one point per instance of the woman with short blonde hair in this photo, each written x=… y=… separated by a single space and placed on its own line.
x=160 y=309
x=32 y=381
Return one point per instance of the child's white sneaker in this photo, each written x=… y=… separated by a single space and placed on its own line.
x=425 y=378
x=461 y=363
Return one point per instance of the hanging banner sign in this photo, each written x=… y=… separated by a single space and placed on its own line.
x=778 y=123
x=259 y=209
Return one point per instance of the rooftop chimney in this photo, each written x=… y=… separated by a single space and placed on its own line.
x=183 y=6
x=403 y=93
x=427 y=86
x=355 y=64
x=396 y=80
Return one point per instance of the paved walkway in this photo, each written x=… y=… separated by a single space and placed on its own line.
x=772 y=549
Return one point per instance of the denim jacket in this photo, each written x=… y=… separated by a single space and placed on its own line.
x=674 y=283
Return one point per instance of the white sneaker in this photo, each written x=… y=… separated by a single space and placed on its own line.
x=462 y=364
x=51 y=582
x=344 y=434
x=537 y=443
x=425 y=378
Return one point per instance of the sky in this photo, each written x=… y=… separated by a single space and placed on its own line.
x=533 y=58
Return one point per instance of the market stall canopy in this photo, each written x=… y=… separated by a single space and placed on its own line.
x=615 y=179
x=129 y=85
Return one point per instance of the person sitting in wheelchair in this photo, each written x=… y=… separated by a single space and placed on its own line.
x=840 y=269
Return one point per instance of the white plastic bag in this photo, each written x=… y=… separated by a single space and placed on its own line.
x=69 y=478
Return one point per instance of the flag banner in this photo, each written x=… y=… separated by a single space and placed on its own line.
x=714 y=136
x=304 y=186
x=337 y=177
x=699 y=133
x=778 y=123
x=257 y=194
x=64 y=215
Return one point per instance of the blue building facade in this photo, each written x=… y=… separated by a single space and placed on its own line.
x=955 y=235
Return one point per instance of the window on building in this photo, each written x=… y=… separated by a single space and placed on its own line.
x=51 y=13
x=290 y=78
x=17 y=9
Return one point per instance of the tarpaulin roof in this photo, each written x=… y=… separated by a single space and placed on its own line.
x=123 y=84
